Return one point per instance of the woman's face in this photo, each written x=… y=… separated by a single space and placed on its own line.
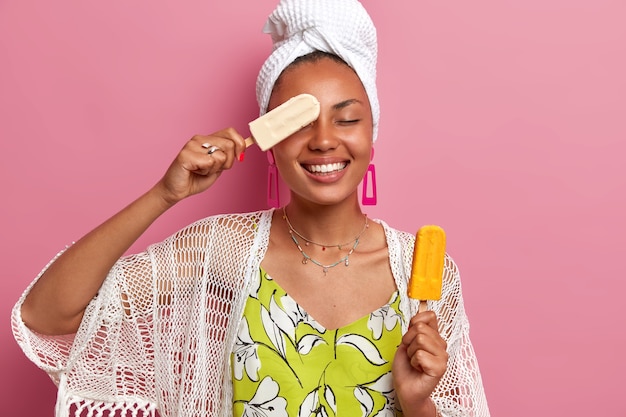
x=325 y=161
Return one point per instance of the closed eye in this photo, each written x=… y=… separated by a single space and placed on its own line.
x=348 y=122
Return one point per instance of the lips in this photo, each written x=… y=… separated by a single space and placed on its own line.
x=325 y=168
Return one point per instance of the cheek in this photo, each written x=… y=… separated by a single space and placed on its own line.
x=367 y=160
x=362 y=146
x=362 y=159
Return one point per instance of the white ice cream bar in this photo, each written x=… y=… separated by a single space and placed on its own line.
x=283 y=121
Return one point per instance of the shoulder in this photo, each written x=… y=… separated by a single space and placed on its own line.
x=396 y=236
x=244 y=223
x=406 y=240
x=249 y=220
x=400 y=245
x=228 y=227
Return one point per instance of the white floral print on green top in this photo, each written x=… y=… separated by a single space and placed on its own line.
x=286 y=364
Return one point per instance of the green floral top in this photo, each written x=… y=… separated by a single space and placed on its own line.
x=286 y=364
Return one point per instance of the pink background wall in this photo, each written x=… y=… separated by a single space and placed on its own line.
x=505 y=122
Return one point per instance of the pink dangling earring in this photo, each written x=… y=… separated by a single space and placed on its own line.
x=370 y=176
x=273 y=199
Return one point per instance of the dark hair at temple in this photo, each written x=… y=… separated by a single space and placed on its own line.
x=311 y=57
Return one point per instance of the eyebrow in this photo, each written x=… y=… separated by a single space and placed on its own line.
x=345 y=103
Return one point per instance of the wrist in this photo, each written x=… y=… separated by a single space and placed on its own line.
x=165 y=200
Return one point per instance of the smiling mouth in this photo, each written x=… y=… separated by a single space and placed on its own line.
x=326 y=168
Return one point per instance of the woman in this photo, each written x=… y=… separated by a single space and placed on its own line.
x=296 y=311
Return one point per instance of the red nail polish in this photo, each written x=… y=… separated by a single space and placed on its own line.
x=241 y=155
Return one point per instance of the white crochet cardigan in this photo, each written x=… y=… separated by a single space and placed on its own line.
x=159 y=334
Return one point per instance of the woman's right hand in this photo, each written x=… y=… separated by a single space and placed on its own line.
x=195 y=169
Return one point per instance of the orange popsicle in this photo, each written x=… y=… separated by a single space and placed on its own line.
x=428 y=261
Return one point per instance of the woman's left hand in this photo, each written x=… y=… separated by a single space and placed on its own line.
x=419 y=363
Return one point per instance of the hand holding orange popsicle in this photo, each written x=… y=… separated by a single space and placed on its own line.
x=428 y=261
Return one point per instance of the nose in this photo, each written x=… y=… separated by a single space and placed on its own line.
x=323 y=135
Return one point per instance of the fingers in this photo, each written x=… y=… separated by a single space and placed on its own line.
x=200 y=162
x=427 y=317
x=426 y=349
x=216 y=152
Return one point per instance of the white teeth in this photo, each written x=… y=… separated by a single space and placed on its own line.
x=326 y=168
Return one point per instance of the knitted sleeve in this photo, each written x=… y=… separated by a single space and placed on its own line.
x=160 y=328
x=460 y=392
x=110 y=358
x=50 y=353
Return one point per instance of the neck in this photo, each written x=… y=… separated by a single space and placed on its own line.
x=330 y=225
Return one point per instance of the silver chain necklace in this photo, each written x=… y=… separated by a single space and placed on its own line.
x=306 y=258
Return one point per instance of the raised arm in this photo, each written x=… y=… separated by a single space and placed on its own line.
x=56 y=303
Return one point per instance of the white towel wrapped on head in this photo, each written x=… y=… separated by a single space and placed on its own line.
x=340 y=27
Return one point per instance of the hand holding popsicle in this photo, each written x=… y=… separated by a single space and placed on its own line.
x=205 y=157
x=421 y=359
